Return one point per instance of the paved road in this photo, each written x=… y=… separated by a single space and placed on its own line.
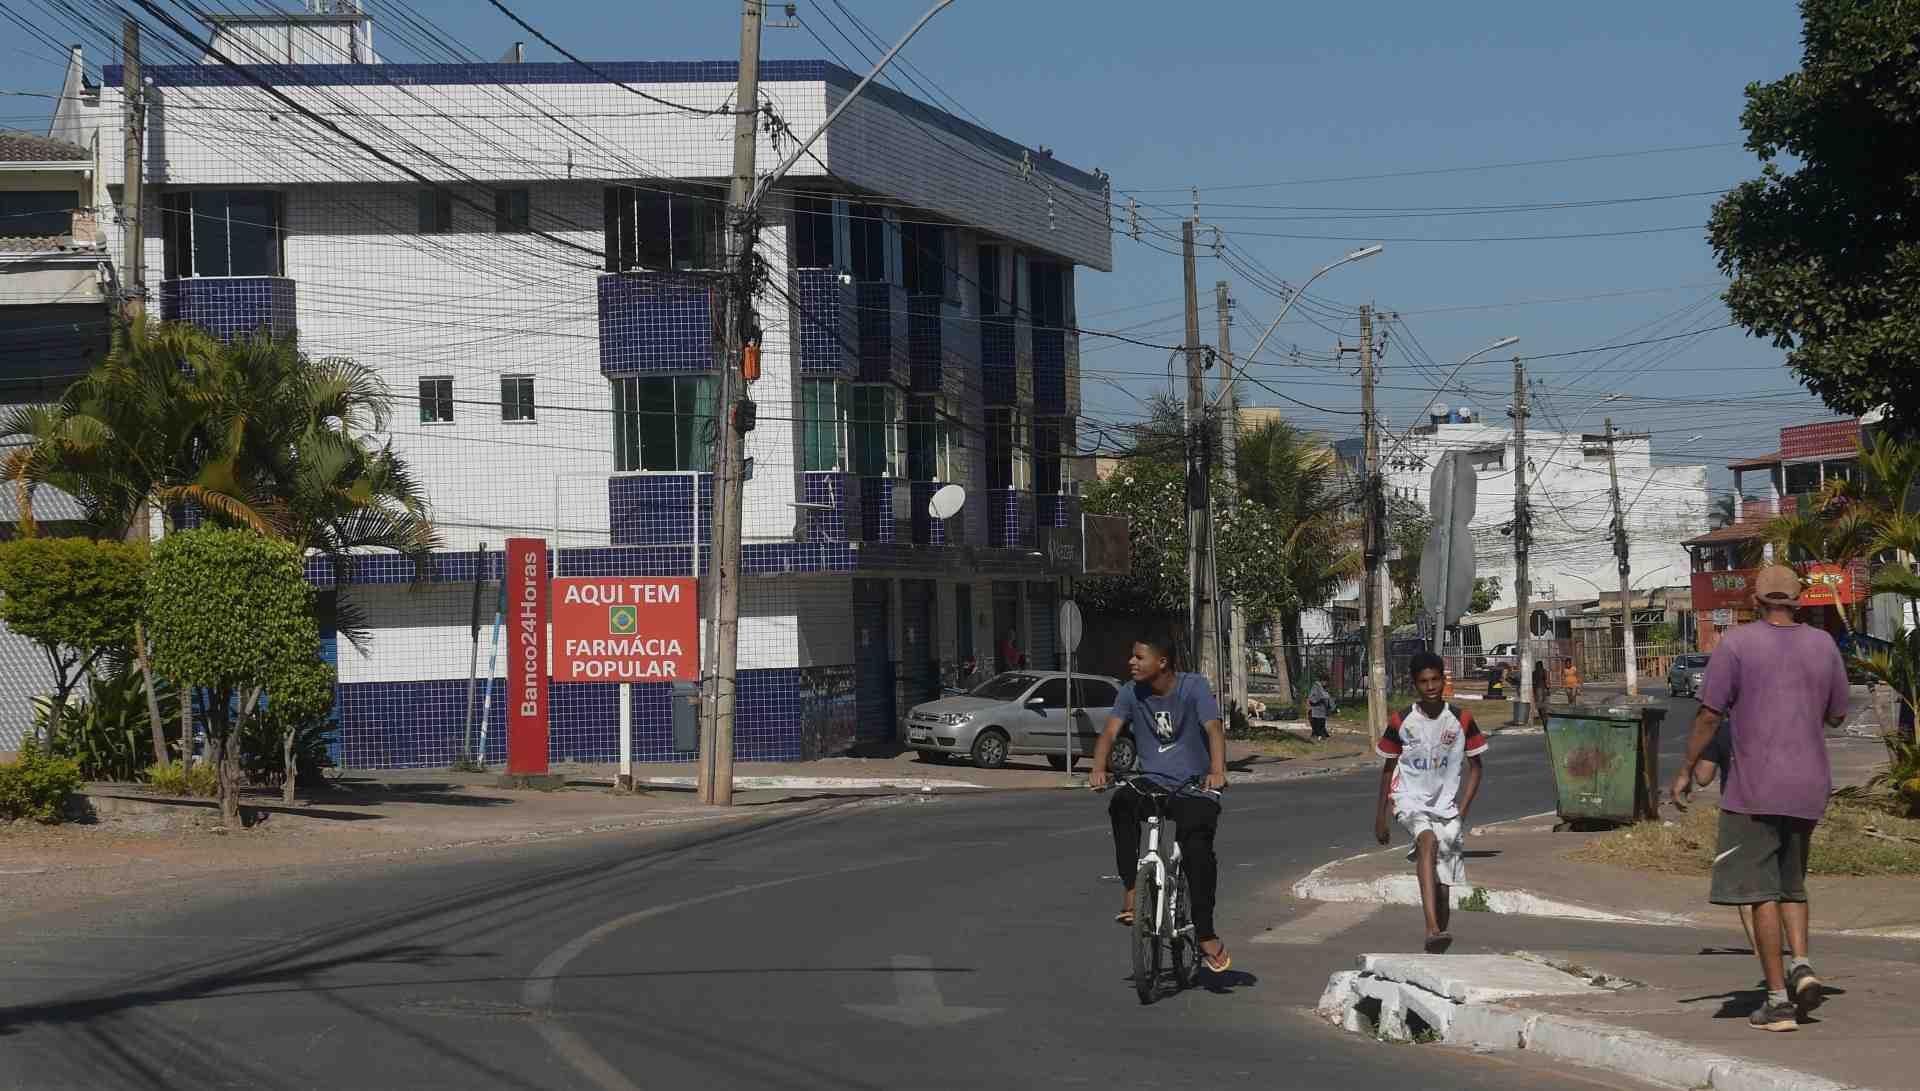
x=953 y=942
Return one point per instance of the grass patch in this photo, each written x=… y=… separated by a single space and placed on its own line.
x=1476 y=902
x=1855 y=838
x=1284 y=744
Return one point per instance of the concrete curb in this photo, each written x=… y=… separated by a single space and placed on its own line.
x=1369 y=1001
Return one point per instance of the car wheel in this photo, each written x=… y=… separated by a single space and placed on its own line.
x=990 y=748
x=1058 y=761
x=1121 y=760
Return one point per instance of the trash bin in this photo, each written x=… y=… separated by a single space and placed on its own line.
x=1606 y=763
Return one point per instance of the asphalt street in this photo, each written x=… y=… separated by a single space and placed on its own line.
x=948 y=941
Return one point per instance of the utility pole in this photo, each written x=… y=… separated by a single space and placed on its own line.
x=133 y=241
x=1522 y=534
x=1204 y=632
x=1626 y=588
x=735 y=419
x=1236 y=660
x=1375 y=595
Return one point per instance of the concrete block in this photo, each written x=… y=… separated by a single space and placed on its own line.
x=1338 y=996
x=1391 y=1026
x=1494 y=1026
x=1475 y=979
x=1732 y=1075
x=1631 y=1052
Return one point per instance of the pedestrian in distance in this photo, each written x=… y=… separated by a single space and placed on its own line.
x=1777 y=684
x=1319 y=706
x=1428 y=782
x=1497 y=682
x=1182 y=747
x=1010 y=657
x=1542 y=693
x=1715 y=760
x=1570 y=680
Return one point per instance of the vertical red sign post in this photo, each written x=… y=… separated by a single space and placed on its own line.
x=528 y=603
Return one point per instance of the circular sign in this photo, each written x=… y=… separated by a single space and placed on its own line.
x=1071 y=626
x=946 y=501
x=1539 y=623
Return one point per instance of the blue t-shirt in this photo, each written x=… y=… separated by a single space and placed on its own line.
x=1170 y=733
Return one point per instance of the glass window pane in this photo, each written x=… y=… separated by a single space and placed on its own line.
x=210 y=233
x=653 y=405
x=626 y=425
x=254 y=233
x=652 y=231
x=38 y=212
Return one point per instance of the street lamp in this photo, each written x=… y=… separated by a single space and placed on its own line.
x=1499 y=344
x=1357 y=255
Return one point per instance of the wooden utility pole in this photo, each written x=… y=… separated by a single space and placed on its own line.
x=735 y=418
x=133 y=240
x=1375 y=595
x=1236 y=658
x=1203 y=632
x=1522 y=532
x=1620 y=553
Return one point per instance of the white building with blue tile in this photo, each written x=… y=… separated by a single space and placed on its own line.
x=545 y=302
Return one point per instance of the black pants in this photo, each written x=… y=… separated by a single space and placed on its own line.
x=1194 y=820
x=1319 y=727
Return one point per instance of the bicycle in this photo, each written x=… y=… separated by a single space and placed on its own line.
x=1162 y=909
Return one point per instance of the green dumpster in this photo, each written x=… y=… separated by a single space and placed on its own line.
x=1606 y=763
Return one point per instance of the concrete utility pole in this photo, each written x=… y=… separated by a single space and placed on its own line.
x=1626 y=589
x=1522 y=532
x=1375 y=596
x=1203 y=631
x=735 y=417
x=1236 y=661
x=133 y=241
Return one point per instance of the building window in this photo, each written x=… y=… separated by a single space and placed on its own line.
x=663 y=423
x=436 y=400
x=1046 y=456
x=823 y=425
x=873 y=430
x=1492 y=458
x=927 y=253
x=1047 y=293
x=813 y=233
x=992 y=300
x=37 y=212
x=512 y=211
x=516 y=397
x=930 y=444
x=651 y=229
x=1007 y=457
x=867 y=235
x=1802 y=477
x=221 y=233
x=436 y=211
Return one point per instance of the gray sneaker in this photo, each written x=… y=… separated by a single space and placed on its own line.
x=1775 y=1017
x=1804 y=986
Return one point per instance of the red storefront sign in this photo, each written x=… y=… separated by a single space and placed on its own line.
x=527 y=605
x=626 y=629
x=1827 y=585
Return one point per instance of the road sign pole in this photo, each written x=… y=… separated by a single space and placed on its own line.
x=1071 y=625
x=625 y=781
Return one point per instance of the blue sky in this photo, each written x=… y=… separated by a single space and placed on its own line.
x=1261 y=103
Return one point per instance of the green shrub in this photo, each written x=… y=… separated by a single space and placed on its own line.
x=172 y=779
x=37 y=785
x=109 y=732
x=263 y=742
x=1476 y=902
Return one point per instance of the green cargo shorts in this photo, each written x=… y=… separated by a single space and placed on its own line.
x=1762 y=858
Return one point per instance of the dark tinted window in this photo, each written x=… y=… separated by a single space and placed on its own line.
x=1095 y=693
x=1052 y=693
x=1005 y=687
x=867 y=230
x=37 y=212
x=813 y=232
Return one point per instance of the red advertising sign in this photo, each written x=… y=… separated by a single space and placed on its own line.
x=525 y=574
x=1826 y=585
x=626 y=629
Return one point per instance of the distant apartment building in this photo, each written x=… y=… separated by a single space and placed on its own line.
x=544 y=307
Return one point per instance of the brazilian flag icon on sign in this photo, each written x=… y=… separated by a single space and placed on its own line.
x=622 y=621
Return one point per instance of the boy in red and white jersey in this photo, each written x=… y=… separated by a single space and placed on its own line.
x=1426 y=747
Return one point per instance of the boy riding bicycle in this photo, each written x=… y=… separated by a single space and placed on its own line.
x=1178 y=736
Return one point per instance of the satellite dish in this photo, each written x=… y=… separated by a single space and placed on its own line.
x=1438 y=409
x=1466 y=414
x=946 y=501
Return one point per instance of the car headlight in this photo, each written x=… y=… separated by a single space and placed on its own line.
x=955 y=719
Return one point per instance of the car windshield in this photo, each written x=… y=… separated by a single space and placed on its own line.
x=1693 y=661
x=1005 y=687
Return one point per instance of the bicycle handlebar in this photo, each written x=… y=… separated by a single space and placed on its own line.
x=1198 y=780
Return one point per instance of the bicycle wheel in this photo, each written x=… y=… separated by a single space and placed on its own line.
x=1146 y=943
x=1185 y=948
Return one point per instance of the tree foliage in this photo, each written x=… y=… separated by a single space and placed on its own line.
x=78 y=599
x=1824 y=251
x=232 y=614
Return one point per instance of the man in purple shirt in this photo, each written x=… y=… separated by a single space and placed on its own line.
x=1778 y=683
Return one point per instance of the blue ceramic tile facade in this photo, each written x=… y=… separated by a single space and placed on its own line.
x=658 y=509
x=832 y=502
x=999 y=370
x=229 y=307
x=926 y=342
x=824 y=321
x=422 y=724
x=927 y=530
x=1057 y=510
x=876 y=509
x=1010 y=517
x=656 y=322
x=1049 y=372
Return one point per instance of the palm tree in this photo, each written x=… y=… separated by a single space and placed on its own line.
x=1724 y=512
x=1296 y=478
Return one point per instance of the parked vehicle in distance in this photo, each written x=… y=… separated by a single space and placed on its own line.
x=1019 y=712
x=1683 y=678
x=1507 y=654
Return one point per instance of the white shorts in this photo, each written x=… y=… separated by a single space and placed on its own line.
x=1449 y=862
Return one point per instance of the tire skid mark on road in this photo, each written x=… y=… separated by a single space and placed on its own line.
x=537 y=992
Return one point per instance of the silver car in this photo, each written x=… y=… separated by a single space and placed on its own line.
x=1019 y=712
x=1686 y=674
